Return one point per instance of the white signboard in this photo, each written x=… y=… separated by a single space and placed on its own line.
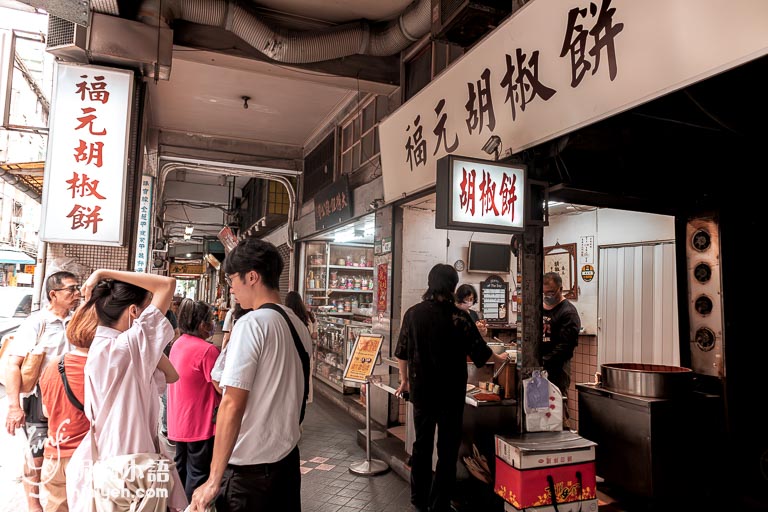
x=85 y=171
x=557 y=65
x=144 y=225
x=480 y=195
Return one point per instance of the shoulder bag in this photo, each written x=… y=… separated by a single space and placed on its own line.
x=30 y=367
x=303 y=355
x=72 y=398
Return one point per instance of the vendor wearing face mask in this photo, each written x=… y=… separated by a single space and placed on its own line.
x=561 y=333
x=466 y=297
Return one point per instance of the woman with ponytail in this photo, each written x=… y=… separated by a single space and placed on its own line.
x=126 y=371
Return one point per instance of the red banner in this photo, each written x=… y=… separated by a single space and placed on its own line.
x=381 y=276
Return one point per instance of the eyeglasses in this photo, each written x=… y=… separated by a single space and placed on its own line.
x=228 y=280
x=73 y=288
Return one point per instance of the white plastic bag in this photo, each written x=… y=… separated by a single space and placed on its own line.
x=542 y=404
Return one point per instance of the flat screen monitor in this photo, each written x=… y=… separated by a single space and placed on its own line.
x=489 y=258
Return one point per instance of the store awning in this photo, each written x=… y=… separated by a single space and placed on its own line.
x=26 y=176
x=8 y=256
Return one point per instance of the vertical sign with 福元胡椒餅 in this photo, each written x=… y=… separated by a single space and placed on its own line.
x=84 y=194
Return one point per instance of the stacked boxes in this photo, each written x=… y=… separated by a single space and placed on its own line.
x=533 y=467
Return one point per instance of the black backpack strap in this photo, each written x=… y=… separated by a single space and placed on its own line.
x=303 y=355
x=72 y=398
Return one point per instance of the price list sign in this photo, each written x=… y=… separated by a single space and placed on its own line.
x=494 y=297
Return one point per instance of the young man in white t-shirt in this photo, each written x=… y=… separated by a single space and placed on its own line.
x=255 y=464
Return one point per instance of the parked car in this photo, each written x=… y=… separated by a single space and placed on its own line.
x=15 y=306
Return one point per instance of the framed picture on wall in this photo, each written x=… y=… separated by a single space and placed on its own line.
x=562 y=259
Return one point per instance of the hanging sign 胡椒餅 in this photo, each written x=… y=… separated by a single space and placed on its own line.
x=478 y=195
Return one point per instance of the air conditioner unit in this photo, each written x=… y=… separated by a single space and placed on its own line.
x=67 y=40
x=464 y=22
x=113 y=41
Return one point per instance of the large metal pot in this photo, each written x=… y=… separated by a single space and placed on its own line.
x=651 y=380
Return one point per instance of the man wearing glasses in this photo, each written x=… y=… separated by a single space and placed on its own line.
x=43 y=331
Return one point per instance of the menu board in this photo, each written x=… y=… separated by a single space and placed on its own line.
x=494 y=297
x=363 y=358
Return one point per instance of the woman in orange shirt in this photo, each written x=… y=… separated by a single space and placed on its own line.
x=66 y=420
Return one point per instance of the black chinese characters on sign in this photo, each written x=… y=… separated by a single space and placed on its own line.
x=333 y=204
x=590 y=38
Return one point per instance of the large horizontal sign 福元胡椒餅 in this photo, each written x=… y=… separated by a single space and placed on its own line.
x=556 y=66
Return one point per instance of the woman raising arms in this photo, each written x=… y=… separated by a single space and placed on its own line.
x=126 y=371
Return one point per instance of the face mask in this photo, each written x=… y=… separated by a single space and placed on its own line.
x=551 y=300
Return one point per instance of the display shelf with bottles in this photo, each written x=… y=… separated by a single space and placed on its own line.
x=339 y=279
x=314 y=288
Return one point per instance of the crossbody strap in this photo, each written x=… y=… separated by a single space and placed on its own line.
x=303 y=355
x=72 y=398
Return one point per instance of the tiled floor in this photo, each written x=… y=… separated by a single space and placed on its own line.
x=328 y=446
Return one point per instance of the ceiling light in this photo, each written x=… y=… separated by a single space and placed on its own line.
x=187 y=237
x=189 y=229
x=189 y=255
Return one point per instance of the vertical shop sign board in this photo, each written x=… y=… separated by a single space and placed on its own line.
x=381 y=277
x=144 y=227
x=84 y=194
x=363 y=359
x=494 y=297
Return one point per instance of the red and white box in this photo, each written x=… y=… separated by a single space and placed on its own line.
x=532 y=488
x=533 y=467
x=542 y=449
x=574 y=506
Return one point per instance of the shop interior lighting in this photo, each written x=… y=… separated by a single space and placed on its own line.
x=187 y=237
x=344 y=236
x=189 y=229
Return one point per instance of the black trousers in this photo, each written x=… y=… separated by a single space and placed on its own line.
x=193 y=462
x=428 y=492
x=262 y=487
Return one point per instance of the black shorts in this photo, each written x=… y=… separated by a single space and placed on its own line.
x=36 y=426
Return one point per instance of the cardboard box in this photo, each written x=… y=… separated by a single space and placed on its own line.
x=574 y=506
x=543 y=449
x=531 y=487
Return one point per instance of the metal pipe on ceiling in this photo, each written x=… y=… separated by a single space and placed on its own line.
x=298 y=47
x=215 y=168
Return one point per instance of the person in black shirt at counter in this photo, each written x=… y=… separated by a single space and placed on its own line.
x=435 y=339
x=561 y=335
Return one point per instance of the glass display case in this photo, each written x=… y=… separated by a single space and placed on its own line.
x=335 y=340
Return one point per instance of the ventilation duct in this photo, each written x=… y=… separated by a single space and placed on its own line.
x=296 y=47
x=113 y=41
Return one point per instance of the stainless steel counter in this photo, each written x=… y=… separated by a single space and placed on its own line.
x=653 y=448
